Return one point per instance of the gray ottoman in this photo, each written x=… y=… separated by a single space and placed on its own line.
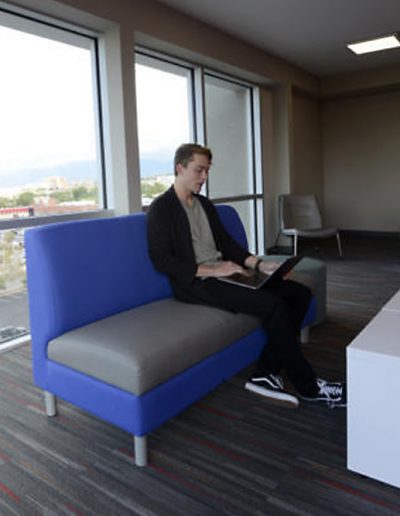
x=310 y=272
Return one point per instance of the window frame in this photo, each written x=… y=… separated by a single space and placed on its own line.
x=41 y=25
x=168 y=63
x=25 y=20
x=256 y=169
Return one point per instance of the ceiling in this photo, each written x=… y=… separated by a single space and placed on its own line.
x=311 y=34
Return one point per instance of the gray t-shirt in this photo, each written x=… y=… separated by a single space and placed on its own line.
x=204 y=247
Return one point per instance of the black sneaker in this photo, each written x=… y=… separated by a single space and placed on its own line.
x=271 y=386
x=333 y=393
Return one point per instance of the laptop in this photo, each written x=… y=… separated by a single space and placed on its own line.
x=256 y=279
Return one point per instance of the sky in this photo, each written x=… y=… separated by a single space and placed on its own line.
x=46 y=107
x=47 y=115
x=163 y=111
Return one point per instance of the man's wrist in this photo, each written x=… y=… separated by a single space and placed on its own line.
x=257 y=264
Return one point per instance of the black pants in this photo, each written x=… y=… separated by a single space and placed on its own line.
x=281 y=308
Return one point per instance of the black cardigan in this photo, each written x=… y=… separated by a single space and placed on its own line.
x=170 y=240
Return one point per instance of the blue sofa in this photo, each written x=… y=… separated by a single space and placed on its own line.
x=102 y=326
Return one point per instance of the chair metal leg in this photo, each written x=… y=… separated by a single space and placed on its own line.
x=140 y=450
x=50 y=402
x=339 y=244
x=295 y=245
x=277 y=238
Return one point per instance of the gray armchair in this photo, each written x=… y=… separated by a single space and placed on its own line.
x=300 y=217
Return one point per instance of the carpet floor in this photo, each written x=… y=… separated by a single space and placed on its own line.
x=231 y=453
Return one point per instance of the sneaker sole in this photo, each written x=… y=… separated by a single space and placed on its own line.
x=280 y=398
x=330 y=403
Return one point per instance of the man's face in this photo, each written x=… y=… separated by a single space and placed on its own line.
x=195 y=174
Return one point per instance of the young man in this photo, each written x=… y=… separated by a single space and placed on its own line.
x=188 y=242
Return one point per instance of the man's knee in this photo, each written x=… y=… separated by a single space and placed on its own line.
x=278 y=312
x=307 y=292
x=301 y=291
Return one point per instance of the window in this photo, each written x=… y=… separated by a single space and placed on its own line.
x=168 y=93
x=165 y=120
x=51 y=154
x=14 y=320
x=235 y=179
x=50 y=161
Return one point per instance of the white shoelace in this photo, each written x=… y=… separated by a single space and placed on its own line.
x=278 y=380
x=332 y=390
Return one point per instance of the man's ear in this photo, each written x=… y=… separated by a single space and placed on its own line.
x=179 y=169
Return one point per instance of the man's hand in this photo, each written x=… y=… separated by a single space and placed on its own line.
x=219 y=270
x=268 y=267
x=227 y=268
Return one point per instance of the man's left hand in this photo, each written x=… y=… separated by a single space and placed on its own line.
x=268 y=267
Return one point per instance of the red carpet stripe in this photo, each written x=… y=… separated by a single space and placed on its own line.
x=10 y=493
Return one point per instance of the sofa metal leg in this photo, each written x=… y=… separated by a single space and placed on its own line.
x=50 y=403
x=140 y=450
x=305 y=335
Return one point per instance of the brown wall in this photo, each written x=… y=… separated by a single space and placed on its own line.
x=307 y=166
x=362 y=161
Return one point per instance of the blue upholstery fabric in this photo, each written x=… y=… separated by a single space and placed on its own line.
x=231 y=220
x=82 y=271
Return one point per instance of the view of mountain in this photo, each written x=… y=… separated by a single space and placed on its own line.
x=154 y=167
x=75 y=171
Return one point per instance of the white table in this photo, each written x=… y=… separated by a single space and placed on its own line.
x=393 y=304
x=373 y=412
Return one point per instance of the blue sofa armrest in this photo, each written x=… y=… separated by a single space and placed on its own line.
x=231 y=220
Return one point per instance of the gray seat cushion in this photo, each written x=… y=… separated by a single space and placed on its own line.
x=143 y=347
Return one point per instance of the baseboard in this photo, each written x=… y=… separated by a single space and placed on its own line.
x=344 y=233
x=388 y=235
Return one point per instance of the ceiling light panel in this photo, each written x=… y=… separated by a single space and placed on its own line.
x=375 y=45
